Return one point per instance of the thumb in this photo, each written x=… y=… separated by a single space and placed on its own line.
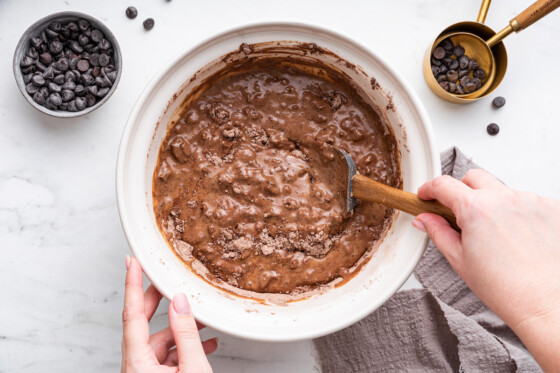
x=446 y=239
x=190 y=353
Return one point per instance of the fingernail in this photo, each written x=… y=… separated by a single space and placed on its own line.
x=127 y=262
x=181 y=304
x=418 y=225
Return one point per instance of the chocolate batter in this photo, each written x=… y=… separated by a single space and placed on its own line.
x=247 y=181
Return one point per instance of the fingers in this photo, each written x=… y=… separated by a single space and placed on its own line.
x=478 y=178
x=136 y=331
x=445 y=189
x=152 y=297
x=209 y=346
x=446 y=239
x=190 y=352
x=161 y=342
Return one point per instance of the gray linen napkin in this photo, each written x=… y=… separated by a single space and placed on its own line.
x=442 y=328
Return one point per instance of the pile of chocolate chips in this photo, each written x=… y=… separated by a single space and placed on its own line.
x=69 y=66
x=454 y=70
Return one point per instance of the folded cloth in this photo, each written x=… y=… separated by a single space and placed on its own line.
x=442 y=328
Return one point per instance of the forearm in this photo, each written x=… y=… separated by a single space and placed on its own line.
x=541 y=335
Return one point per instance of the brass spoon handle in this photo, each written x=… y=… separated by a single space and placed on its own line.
x=526 y=18
x=370 y=190
x=483 y=11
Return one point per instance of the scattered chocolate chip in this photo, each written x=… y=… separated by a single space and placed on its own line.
x=149 y=24
x=498 y=102
x=131 y=12
x=493 y=129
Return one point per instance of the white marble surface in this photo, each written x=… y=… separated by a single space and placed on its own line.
x=61 y=244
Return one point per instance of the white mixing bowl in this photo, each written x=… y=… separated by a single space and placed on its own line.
x=380 y=278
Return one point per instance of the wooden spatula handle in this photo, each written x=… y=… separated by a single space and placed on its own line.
x=373 y=191
x=532 y=14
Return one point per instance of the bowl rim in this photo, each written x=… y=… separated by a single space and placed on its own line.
x=359 y=314
x=42 y=22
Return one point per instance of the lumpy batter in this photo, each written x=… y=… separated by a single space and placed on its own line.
x=247 y=181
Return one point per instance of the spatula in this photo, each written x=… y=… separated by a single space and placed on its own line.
x=364 y=188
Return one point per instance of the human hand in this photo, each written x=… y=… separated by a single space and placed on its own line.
x=144 y=353
x=508 y=253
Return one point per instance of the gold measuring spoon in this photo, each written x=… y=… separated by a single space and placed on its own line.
x=487 y=50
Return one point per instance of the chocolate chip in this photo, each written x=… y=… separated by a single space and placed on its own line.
x=469 y=87
x=54 y=88
x=441 y=78
x=73 y=64
x=26 y=61
x=40 y=67
x=36 y=42
x=131 y=12
x=39 y=98
x=72 y=106
x=75 y=46
x=498 y=102
x=27 y=78
x=464 y=80
x=55 y=99
x=436 y=62
x=32 y=52
x=479 y=73
x=80 y=90
x=438 y=53
x=453 y=65
x=83 y=40
x=96 y=35
x=80 y=103
x=45 y=58
x=493 y=129
x=92 y=89
x=62 y=65
x=55 y=47
x=443 y=69
x=459 y=89
x=104 y=44
x=69 y=84
x=31 y=89
x=149 y=24
x=87 y=79
x=51 y=34
x=94 y=59
x=103 y=92
x=452 y=75
x=90 y=100
x=444 y=85
x=447 y=45
x=38 y=80
x=96 y=71
x=477 y=82
x=463 y=62
x=473 y=65
x=458 y=51
x=67 y=95
x=83 y=65
x=452 y=87
x=104 y=60
x=462 y=73
x=55 y=26
x=435 y=70
x=112 y=76
x=73 y=27
x=83 y=24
